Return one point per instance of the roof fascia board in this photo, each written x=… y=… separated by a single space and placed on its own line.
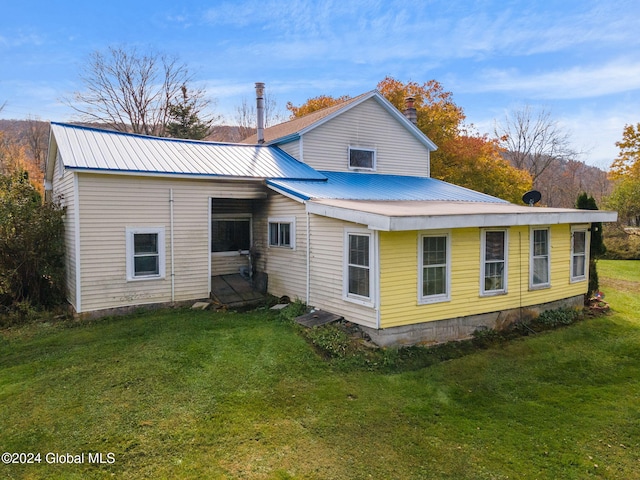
x=288 y=193
x=52 y=153
x=430 y=222
x=143 y=173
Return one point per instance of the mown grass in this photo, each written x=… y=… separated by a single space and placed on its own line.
x=191 y=394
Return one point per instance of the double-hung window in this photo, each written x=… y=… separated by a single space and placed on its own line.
x=362 y=158
x=578 y=254
x=434 y=264
x=358 y=283
x=145 y=250
x=494 y=262
x=539 y=262
x=282 y=232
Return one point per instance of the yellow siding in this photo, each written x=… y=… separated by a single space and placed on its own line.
x=399 y=276
x=327 y=264
x=110 y=203
x=367 y=125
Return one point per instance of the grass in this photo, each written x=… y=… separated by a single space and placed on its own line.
x=191 y=394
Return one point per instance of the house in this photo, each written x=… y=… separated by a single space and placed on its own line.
x=340 y=209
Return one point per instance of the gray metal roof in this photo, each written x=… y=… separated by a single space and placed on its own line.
x=361 y=186
x=85 y=148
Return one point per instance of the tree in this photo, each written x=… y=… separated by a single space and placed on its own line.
x=463 y=157
x=31 y=245
x=628 y=160
x=183 y=119
x=596 y=246
x=38 y=141
x=314 y=104
x=132 y=91
x=533 y=141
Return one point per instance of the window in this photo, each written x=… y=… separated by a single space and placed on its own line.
x=578 y=254
x=282 y=232
x=231 y=234
x=434 y=262
x=539 y=263
x=358 y=259
x=362 y=158
x=494 y=262
x=145 y=253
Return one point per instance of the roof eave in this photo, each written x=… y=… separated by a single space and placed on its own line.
x=376 y=221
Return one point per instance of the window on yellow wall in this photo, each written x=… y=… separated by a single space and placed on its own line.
x=539 y=263
x=434 y=265
x=578 y=254
x=494 y=262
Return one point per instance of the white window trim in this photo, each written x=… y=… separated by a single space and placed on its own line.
x=366 y=149
x=292 y=231
x=580 y=278
x=427 y=299
x=231 y=216
x=539 y=286
x=130 y=232
x=483 y=243
x=351 y=297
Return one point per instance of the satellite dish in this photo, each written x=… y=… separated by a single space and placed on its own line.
x=531 y=197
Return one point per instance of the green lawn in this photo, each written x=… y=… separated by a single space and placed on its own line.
x=191 y=394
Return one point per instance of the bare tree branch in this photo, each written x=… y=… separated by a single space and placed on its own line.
x=131 y=91
x=533 y=141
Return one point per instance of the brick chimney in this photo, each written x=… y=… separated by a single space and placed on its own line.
x=260 y=111
x=410 y=110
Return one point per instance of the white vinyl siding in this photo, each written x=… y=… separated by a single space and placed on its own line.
x=327 y=272
x=434 y=263
x=110 y=203
x=64 y=194
x=286 y=267
x=494 y=263
x=370 y=126
x=540 y=261
x=579 y=254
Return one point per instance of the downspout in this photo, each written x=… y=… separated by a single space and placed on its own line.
x=308 y=261
x=173 y=284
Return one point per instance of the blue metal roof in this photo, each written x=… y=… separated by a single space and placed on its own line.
x=85 y=148
x=362 y=186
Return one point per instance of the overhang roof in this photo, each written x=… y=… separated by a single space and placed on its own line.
x=294 y=129
x=92 y=149
x=429 y=215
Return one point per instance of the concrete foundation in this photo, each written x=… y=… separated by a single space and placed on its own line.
x=461 y=328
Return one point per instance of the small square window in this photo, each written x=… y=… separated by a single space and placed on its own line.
x=282 y=232
x=362 y=158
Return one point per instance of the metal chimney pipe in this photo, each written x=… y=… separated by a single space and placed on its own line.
x=260 y=111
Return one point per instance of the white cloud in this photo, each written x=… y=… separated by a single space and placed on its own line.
x=618 y=76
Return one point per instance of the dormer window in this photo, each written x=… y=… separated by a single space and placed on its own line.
x=362 y=158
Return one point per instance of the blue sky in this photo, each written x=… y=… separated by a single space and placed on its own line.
x=578 y=59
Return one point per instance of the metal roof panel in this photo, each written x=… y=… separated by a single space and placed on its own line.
x=364 y=186
x=95 y=149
